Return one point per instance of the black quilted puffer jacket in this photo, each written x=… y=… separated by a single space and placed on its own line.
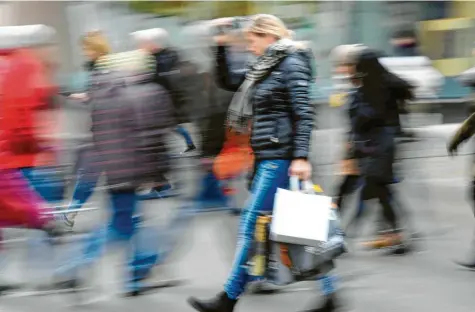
x=283 y=114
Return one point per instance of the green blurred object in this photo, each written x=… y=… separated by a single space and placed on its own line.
x=161 y=8
x=173 y=8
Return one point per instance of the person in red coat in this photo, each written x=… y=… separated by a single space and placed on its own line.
x=25 y=91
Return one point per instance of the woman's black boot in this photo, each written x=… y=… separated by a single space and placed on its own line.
x=222 y=303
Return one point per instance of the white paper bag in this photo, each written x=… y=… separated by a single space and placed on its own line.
x=299 y=218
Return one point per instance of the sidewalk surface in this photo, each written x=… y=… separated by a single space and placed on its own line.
x=434 y=189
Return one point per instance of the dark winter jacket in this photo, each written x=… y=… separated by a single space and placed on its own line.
x=168 y=74
x=283 y=115
x=130 y=119
x=371 y=138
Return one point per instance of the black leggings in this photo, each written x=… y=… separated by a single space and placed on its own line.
x=347 y=187
x=374 y=188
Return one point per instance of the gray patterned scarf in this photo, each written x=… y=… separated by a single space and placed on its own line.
x=240 y=109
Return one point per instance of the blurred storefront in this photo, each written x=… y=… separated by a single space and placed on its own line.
x=445 y=29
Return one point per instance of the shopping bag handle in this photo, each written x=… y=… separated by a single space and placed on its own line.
x=306 y=186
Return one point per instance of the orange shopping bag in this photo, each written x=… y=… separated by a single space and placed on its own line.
x=235 y=157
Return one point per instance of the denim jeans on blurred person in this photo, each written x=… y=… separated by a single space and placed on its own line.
x=270 y=175
x=120 y=229
x=47 y=182
x=185 y=134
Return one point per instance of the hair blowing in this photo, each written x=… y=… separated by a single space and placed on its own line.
x=266 y=24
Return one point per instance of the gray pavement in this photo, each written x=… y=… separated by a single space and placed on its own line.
x=434 y=189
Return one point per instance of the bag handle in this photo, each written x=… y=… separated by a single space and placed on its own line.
x=305 y=186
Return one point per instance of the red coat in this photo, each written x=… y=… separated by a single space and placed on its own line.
x=24 y=92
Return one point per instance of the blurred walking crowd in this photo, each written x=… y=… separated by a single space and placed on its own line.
x=257 y=121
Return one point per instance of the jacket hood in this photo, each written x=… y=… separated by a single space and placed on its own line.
x=306 y=54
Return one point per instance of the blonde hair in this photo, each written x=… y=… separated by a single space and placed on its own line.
x=96 y=42
x=266 y=24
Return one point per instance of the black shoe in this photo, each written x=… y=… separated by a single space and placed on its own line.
x=7 y=288
x=235 y=212
x=68 y=284
x=400 y=250
x=190 y=148
x=330 y=304
x=221 y=303
x=133 y=293
x=466 y=264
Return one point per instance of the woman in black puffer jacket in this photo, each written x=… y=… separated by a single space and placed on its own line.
x=272 y=103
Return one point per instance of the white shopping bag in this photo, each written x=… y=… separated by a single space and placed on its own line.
x=300 y=218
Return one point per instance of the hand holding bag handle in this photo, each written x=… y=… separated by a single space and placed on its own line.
x=304 y=187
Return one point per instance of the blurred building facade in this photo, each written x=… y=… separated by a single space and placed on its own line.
x=445 y=29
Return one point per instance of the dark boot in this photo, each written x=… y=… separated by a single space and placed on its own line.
x=329 y=304
x=6 y=288
x=467 y=265
x=222 y=303
x=189 y=148
x=154 y=280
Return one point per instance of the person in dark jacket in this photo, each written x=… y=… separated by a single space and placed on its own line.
x=129 y=126
x=271 y=102
x=404 y=42
x=463 y=134
x=168 y=74
x=372 y=138
x=399 y=92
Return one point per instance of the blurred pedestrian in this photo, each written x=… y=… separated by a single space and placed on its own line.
x=214 y=192
x=130 y=123
x=94 y=46
x=27 y=124
x=343 y=58
x=405 y=43
x=464 y=133
x=168 y=74
x=372 y=139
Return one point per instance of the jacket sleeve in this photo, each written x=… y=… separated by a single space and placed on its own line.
x=466 y=131
x=297 y=75
x=226 y=77
x=175 y=82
